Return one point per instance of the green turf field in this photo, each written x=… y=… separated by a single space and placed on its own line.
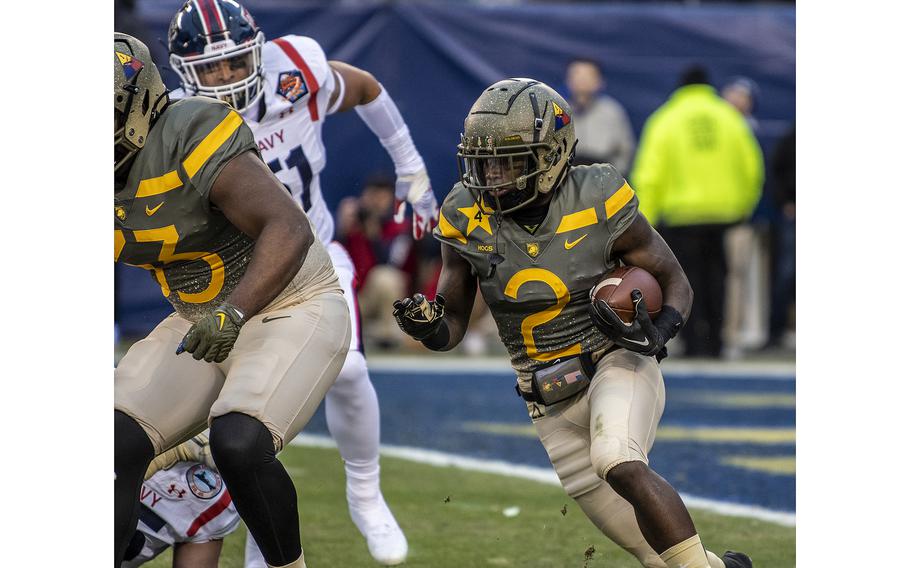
x=454 y=519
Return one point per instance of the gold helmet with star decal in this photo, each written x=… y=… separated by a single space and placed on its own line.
x=518 y=143
x=139 y=97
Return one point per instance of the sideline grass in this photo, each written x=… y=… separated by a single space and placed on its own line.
x=470 y=529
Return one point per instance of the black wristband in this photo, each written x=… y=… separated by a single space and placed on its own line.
x=439 y=340
x=668 y=322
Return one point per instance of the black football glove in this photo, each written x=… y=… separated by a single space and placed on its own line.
x=213 y=337
x=419 y=317
x=642 y=335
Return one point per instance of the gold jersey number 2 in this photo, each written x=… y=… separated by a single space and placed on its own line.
x=529 y=323
x=168 y=238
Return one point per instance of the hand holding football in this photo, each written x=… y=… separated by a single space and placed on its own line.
x=616 y=290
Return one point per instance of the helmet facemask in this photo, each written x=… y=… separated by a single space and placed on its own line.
x=517 y=145
x=225 y=71
x=502 y=179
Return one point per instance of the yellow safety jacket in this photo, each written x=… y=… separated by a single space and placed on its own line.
x=698 y=161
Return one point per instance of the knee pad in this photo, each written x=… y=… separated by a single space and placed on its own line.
x=240 y=443
x=609 y=451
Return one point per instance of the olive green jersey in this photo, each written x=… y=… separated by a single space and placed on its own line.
x=539 y=295
x=165 y=223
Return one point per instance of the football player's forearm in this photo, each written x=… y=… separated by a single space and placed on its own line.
x=449 y=334
x=279 y=253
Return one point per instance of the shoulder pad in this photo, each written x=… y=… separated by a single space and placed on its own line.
x=204 y=134
x=461 y=219
x=304 y=53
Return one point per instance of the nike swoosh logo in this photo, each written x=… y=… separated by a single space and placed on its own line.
x=220 y=320
x=153 y=210
x=645 y=343
x=575 y=242
x=268 y=319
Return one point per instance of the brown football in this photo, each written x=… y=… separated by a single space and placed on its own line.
x=616 y=290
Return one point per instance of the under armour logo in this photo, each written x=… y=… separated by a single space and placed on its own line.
x=173 y=490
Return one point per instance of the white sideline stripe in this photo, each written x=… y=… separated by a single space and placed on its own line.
x=434 y=365
x=544 y=475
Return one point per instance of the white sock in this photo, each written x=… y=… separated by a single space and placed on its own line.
x=362 y=482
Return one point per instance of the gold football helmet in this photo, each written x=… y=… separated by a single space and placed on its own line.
x=139 y=97
x=518 y=143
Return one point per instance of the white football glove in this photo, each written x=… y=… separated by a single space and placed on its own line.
x=415 y=189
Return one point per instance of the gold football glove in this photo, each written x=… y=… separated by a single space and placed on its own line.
x=196 y=449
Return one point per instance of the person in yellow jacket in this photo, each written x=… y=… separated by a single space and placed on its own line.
x=699 y=171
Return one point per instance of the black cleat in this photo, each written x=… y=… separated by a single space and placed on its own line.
x=736 y=560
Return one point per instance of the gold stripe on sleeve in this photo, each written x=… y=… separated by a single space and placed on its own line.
x=450 y=232
x=616 y=201
x=197 y=158
x=160 y=184
x=577 y=220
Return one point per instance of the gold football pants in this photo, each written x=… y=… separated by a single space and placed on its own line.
x=279 y=370
x=612 y=422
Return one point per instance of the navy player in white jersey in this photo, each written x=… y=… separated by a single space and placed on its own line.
x=285 y=89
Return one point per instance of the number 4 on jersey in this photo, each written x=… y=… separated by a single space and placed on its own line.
x=296 y=160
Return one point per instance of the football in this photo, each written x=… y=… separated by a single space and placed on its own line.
x=616 y=290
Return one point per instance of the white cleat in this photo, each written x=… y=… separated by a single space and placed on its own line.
x=385 y=540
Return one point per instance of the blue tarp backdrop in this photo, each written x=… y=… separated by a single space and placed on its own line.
x=436 y=58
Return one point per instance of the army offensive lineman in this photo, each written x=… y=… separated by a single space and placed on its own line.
x=536 y=234
x=260 y=329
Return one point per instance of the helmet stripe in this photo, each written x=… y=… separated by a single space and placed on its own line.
x=210 y=15
x=203 y=17
x=216 y=9
x=308 y=76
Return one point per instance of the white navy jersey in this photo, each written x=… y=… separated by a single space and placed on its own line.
x=287 y=122
x=186 y=503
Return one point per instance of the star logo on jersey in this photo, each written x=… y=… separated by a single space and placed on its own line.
x=477 y=218
x=130 y=64
x=533 y=249
x=291 y=86
x=561 y=117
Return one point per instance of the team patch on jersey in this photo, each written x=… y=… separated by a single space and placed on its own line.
x=291 y=85
x=561 y=117
x=533 y=249
x=130 y=64
x=203 y=482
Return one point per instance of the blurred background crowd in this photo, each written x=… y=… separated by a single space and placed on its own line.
x=694 y=104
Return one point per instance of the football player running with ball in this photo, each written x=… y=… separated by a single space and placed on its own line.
x=260 y=329
x=285 y=89
x=536 y=235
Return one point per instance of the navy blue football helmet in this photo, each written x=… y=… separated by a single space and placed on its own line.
x=216 y=48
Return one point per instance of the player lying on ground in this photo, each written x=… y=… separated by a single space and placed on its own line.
x=184 y=504
x=260 y=329
x=536 y=234
x=286 y=89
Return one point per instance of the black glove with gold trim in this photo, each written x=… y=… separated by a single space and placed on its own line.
x=419 y=317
